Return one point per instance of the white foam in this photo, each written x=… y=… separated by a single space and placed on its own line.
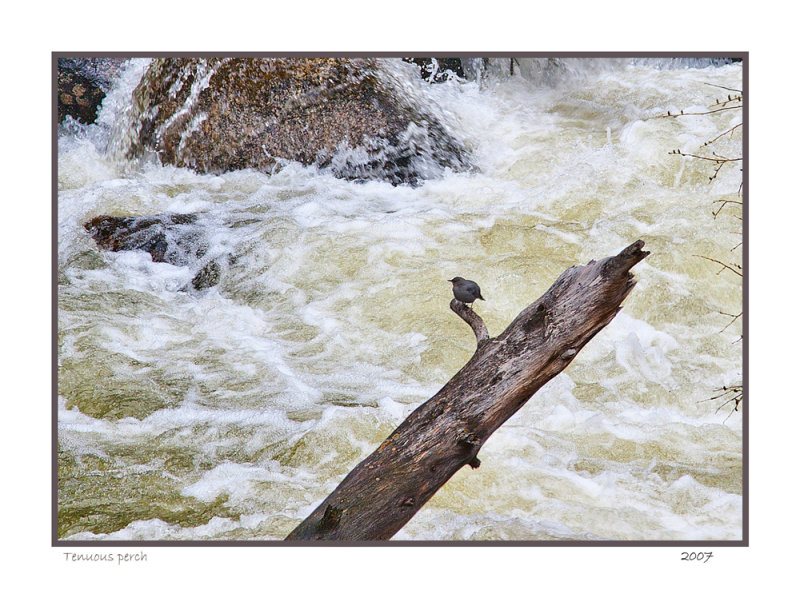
x=232 y=479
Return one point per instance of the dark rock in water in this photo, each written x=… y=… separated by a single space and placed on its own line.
x=208 y=276
x=216 y=115
x=78 y=98
x=83 y=84
x=437 y=70
x=175 y=239
x=102 y=72
x=163 y=236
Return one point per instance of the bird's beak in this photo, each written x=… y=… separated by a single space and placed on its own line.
x=451 y=280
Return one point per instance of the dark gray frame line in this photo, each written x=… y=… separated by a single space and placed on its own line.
x=99 y=544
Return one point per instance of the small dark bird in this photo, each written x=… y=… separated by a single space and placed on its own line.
x=466 y=291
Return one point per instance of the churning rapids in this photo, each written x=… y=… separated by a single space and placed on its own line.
x=229 y=413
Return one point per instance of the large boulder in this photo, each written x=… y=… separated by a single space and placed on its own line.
x=221 y=114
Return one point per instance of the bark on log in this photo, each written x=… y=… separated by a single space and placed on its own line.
x=386 y=489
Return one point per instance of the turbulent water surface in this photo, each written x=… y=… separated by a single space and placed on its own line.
x=230 y=413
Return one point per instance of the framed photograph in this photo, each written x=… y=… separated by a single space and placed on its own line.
x=482 y=299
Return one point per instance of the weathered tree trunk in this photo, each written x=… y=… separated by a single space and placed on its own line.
x=386 y=489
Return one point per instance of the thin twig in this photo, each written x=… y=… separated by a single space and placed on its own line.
x=723 y=87
x=736 y=317
x=733 y=128
x=717 y=157
x=728 y=101
x=724 y=265
x=724 y=203
x=682 y=113
x=737 y=393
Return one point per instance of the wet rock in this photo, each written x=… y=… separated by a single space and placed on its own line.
x=216 y=115
x=165 y=237
x=208 y=276
x=175 y=239
x=83 y=84
x=436 y=70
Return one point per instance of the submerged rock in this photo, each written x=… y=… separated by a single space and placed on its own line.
x=83 y=84
x=216 y=115
x=175 y=239
x=207 y=277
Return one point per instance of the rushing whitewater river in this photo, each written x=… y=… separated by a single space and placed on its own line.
x=231 y=412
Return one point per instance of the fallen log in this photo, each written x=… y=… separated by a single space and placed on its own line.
x=385 y=490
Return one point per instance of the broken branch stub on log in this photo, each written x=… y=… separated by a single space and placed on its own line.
x=473 y=319
x=383 y=492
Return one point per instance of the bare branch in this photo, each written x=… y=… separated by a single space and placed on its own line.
x=682 y=113
x=735 y=394
x=716 y=157
x=723 y=87
x=735 y=101
x=724 y=203
x=736 y=317
x=724 y=265
x=731 y=130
